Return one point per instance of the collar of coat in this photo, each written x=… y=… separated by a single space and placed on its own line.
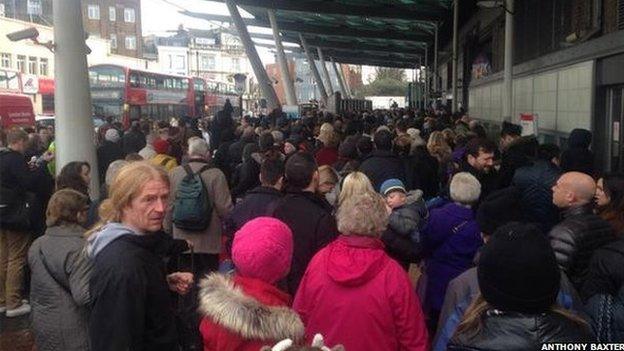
x=577 y=210
x=228 y=306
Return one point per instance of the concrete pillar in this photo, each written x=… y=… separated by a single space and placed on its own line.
x=508 y=74
x=455 y=53
x=72 y=98
x=315 y=72
x=266 y=87
x=435 y=59
x=287 y=82
x=343 y=90
x=330 y=89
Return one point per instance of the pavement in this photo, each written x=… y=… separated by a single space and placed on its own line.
x=15 y=334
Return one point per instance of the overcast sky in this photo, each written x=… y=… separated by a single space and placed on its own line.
x=162 y=16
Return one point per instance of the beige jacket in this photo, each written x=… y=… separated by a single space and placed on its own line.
x=209 y=241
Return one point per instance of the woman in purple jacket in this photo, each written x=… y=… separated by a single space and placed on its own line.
x=451 y=239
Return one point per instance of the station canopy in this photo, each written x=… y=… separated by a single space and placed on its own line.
x=389 y=33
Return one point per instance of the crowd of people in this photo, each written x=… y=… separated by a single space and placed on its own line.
x=373 y=230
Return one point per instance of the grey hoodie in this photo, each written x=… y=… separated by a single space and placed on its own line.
x=106 y=235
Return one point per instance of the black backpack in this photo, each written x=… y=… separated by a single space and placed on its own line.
x=192 y=209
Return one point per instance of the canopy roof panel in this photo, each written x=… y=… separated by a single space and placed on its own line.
x=378 y=31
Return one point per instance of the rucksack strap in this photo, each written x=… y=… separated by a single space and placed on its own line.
x=189 y=171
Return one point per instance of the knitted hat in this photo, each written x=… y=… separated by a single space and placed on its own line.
x=391 y=185
x=517 y=270
x=499 y=208
x=263 y=249
x=112 y=135
x=161 y=146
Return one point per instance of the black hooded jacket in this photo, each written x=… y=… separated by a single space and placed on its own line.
x=578 y=157
x=132 y=308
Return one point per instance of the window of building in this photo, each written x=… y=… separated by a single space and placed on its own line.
x=43 y=66
x=33 y=7
x=129 y=15
x=207 y=62
x=112 y=14
x=32 y=65
x=131 y=42
x=93 y=11
x=5 y=60
x=177 y=62
x=113 y=39
x=21 y=63
x=236 y=64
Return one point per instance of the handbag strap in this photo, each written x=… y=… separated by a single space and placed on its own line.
x=50 y=272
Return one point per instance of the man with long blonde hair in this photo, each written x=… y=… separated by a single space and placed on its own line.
x=132 y=307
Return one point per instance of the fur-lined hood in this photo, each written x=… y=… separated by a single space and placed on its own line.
x=229 y=307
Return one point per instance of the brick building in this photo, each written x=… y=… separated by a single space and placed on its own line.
x=116 y=20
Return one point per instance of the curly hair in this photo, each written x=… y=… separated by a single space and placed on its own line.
x=363 y=214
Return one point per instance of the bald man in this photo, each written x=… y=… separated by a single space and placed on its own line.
x=581 y=232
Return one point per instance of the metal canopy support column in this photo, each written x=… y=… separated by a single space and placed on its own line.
x=330 y=89
x=287 y=82
x=343 y=91
x=72 y=98
x=263 y=78
x=455 y=53
x=426 y=76
x=345 y=80
x=315 y=72
x=435 y=59
x=508 y=74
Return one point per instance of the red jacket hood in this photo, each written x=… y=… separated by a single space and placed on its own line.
x=354 y=260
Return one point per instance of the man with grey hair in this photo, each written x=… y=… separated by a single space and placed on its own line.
x=207 y=242
x=148 y=151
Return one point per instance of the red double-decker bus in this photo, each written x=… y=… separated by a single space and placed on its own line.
x=129 y=94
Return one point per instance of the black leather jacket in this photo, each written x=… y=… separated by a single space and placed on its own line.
x=575 y=239
x=516 y=331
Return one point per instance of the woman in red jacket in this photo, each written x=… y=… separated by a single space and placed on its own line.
x=247 y=311
x=353 y=293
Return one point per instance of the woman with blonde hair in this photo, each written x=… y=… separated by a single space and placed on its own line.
x=441 y=151
x=354 y=281
x=354 y=183
x=519 y=281
x=59 y=287
x=132 y=306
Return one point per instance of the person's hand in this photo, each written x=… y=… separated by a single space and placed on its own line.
x=180 y=282
x=48 y=156
x=388 y=209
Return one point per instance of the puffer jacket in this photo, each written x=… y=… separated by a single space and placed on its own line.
x=516 y=331
x=402 y=237
x=575 y=240
x=242 y=313
x=604 y=292
x=535 y=184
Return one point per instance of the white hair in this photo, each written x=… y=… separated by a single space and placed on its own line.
x=465 y=188
x=112 y=171
x=278 y=136
x=198 y=147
